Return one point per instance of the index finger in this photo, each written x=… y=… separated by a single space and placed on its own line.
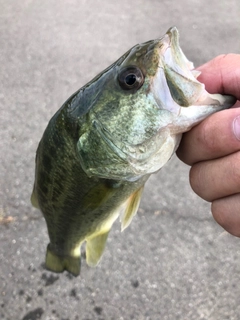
x=222 y=75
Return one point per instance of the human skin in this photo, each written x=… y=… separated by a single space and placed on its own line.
x=212 y=148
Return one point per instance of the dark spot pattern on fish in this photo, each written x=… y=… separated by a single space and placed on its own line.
x=47 y=162
x=44 y=188
x=52 y=152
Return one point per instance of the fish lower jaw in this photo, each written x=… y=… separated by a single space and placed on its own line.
x=192 y=115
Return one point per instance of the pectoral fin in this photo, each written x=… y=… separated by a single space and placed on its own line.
x=131 y=208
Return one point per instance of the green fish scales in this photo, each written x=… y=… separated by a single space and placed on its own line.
x=102 y=145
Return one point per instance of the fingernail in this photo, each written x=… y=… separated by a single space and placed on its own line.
x=236 y=127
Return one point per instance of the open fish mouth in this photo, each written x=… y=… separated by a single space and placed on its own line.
x=179 y=87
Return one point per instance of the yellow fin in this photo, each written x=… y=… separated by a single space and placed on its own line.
x=97 y=241
x=34 y=200
x=131 y=208
x=58 y=263
x=95 y=247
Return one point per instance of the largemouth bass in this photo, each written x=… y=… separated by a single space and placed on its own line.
x=102 y=145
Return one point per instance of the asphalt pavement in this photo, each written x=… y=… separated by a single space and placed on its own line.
x=174 y=261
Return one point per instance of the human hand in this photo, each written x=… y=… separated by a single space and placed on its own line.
x=212 y=148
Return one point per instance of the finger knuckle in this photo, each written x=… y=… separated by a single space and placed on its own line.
x=225 y=212
x=197 y=179
x=235 y=169
x=209 y=139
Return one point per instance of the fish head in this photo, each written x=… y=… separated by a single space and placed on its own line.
x=137 y=109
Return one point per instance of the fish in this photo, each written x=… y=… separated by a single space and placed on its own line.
x=99 y=149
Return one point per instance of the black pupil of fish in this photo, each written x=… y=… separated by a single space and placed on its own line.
x=130 y=79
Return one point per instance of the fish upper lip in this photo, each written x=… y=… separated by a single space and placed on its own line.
x=172 y=33
x=170 y=36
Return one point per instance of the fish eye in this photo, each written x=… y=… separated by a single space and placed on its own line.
x=130 y=78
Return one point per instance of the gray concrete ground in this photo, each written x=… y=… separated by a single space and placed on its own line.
x=174 y=261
